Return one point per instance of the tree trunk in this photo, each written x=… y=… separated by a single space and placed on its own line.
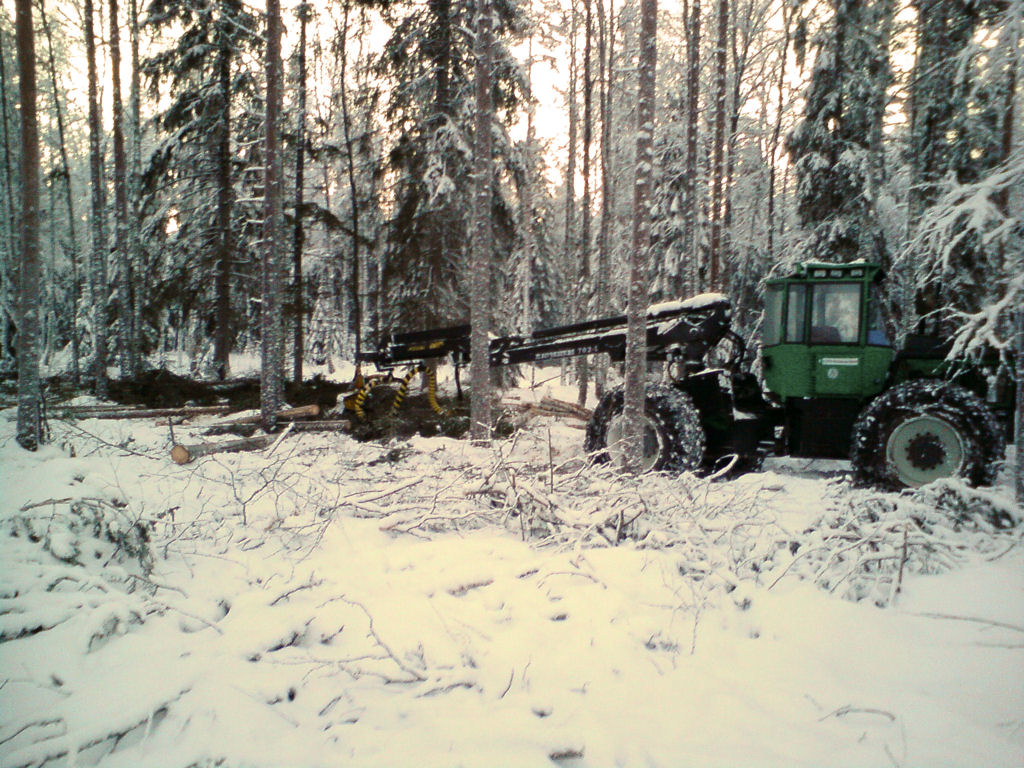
x=526 y=203
x=1019 y=416
x=123 y=258
x=606 y=46
x=134 y=193
x=636 y=306
x=482 y=238
x=718 y=148
x=740 y=57
x=692 y=126
x=72 y=241
x=98 y=259
x=583 y=291
x=225 y=203
x=299 y=234
x=569 y=239
x=346 y=123
x=773 y=147
x=9 y=277
x=29 y=429
x=272 y=342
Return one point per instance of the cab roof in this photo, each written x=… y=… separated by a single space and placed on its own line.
x=815 y=270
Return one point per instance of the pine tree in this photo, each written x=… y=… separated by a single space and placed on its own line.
x=29 y=429
x=689 y=199
x=98 y=258
x=128 y=342
x=716 y=255
x=271 y=328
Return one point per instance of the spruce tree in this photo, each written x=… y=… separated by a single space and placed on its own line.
x=196 y=165
x=428 y=63
x=832 y=145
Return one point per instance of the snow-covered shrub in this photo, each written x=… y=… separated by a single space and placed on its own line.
x=76 y=531
x=73 y=561
x=864 y=546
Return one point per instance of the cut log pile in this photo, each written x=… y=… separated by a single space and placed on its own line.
x=218 y=400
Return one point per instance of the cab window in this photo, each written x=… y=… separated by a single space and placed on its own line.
x=771 y=333
x=796 y=313
x=835 y=313
x=876 y=319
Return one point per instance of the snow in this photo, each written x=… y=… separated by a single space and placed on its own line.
x=694 y=302
x=436 y=603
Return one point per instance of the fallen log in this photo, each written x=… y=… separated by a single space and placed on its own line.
x=249 y=428
x=301 y=412
x=147 y=413
x=183 y=454
x=558 y=409
x=333 y=425
x=97 y=408
x=562 y=406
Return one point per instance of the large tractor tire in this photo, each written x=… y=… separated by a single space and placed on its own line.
x=673 y=435
x=924 y=430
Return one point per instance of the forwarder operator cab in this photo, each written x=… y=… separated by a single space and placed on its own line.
x=824 y=332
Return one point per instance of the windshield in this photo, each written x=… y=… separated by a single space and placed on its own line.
x=835 y=313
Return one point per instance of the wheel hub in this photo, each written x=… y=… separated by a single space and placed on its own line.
x=923 y=448
x=926 y=452
x=652 y=448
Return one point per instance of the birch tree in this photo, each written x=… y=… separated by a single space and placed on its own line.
x=482 y=238
x=29 y=429
x=298 y=233
x=636 y=306
x=583 y=291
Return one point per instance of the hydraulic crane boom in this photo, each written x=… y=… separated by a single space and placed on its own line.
x=677 y=330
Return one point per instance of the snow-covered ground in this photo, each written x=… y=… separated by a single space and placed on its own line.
x=431 y=603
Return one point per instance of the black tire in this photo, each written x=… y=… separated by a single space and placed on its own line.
x=923 y=430
x=673 y=440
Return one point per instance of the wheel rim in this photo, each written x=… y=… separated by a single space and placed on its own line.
x=925 y=448
x=652 y=438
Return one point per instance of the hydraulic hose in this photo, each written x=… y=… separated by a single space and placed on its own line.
x=403 y=389
x=432 y=391
x=360 y=398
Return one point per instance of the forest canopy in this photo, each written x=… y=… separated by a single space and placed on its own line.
x=783 y=131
